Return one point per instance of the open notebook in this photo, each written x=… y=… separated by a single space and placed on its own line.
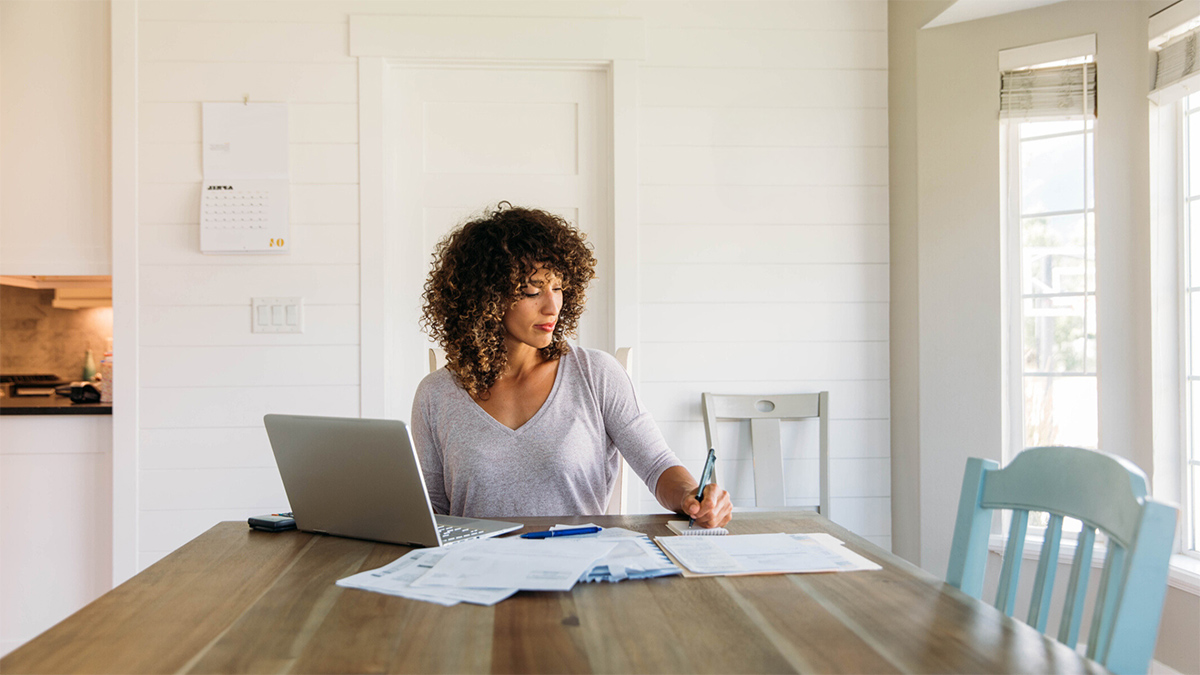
x=682 y=527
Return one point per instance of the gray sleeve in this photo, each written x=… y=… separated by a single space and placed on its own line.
x=428 y=451
x=628 y=424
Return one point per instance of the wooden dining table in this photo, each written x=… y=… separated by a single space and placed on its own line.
x=235 y=600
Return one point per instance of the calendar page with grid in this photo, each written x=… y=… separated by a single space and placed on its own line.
x=244 y=216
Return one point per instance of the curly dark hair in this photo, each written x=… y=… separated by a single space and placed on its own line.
x=479 y=270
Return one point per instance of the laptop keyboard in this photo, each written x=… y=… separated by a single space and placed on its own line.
x=452 y=533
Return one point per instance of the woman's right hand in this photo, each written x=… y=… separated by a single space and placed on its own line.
x=715 y=510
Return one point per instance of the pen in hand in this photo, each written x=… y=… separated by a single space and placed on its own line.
x=706 y=478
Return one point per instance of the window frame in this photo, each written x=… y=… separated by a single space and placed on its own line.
x=1013 y=290
x=1188 y=541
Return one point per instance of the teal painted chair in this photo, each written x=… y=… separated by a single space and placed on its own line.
x=1108 y=494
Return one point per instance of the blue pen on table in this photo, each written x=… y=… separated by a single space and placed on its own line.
x=706 y=478
x=566 y=532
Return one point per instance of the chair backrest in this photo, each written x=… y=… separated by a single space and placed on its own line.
x=437 y=358
x=616 y=502
x=765 y=413
x=624 y=356
x=1105 y=492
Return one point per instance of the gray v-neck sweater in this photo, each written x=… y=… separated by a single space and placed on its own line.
x=562 y=462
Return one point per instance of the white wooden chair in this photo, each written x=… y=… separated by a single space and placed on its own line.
x=624 y=355
x=765 y=414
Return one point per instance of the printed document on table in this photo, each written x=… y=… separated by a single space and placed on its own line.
x=858 y=562
x=529 y=565
x=756 y=554
x=396 y=579
x=635 y=557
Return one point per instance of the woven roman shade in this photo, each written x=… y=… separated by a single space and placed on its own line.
x=1177 y=72
x=1058 y=91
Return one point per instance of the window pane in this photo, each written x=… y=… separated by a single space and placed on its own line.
x=1053 y=251
x=1052 y=174
x=1090 y=364
x=1193 y=101
x=1195 y=492
x=1193 y=131
x=1194 y=423
x=1089 y=170
x=1030 y=129
x=1060 y=411
x=1091 y=252
x=1054 y=335
x=1194 y=237
x=1193 y=319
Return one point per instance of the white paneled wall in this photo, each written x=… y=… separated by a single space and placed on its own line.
x=763 y=238
x=207 y=380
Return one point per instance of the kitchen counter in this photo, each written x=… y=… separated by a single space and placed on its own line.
x=50 y=405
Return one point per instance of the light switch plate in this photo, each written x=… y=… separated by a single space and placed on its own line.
x=277 y=315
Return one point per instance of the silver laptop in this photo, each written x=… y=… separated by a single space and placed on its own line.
x=361 y=478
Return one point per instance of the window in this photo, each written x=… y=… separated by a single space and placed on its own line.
x=1053 y=283
x=1190 y=314
x=1047 y=112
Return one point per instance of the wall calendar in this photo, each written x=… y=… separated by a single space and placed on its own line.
x=244 y=196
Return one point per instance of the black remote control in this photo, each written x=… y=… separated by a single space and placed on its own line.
x=276 y=522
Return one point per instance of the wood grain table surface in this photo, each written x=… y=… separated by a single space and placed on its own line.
x=235 y=600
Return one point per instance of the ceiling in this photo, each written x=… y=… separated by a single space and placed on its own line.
x=969 y=10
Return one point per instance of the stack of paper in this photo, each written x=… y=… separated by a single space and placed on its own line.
x=487 y=571
x=522 y=564
x=635 y=557
x=396 y=579
x=764 y=554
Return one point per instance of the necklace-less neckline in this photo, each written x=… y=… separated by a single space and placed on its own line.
x=558 y=376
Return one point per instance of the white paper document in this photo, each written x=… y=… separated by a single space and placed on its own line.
x=858 y=562
x=529 y=565
x=634 y=557
x=761 y=554
x=396 y=579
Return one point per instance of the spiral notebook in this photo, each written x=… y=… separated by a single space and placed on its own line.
x=682 y=527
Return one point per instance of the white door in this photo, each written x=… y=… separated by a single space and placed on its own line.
x=462 y=139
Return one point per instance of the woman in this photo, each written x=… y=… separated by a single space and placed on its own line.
x=519 y=423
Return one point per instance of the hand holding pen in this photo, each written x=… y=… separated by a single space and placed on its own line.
x=708 y=505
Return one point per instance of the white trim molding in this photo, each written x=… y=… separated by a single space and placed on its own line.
x=1047 y=52
x=504 y=38
x=124 y=27
x=1172 y=21
x=383 y=42
x=1184 y=572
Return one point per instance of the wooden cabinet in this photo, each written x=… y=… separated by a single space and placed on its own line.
x=55 y=137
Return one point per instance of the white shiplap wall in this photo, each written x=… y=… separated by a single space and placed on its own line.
x=763 y=237
x=206 y=379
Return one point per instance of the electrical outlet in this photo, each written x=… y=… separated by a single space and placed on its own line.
x=277 y=315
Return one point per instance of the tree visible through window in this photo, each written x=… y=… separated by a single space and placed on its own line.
x=1057 y=282
x=1052 y=221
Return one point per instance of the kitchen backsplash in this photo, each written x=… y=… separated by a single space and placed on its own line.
x=38 y=338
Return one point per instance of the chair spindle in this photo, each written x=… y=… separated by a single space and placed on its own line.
x=1006 y=594
x=1102 y=619
x=1081 y=567
x=1043 y=584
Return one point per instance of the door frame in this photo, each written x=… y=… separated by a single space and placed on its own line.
x=386 y=42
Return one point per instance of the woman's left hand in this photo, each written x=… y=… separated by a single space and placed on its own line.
x=715 y=510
